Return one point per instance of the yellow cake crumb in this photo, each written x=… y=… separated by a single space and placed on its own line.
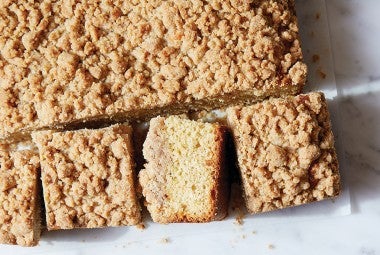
x=185 y=177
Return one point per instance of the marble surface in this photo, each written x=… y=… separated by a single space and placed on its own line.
x=355 y=36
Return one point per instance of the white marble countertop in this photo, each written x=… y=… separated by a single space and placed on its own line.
x=355 y=36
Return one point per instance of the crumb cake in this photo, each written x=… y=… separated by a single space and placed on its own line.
x=88 y=178
x=285 y=150
x=185 y=178
x=65 y=62
x=20 y=219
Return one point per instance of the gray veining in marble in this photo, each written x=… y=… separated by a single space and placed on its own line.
x=355 y=37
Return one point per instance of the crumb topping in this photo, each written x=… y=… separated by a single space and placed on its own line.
x=19 y=171
x=285 y=151
x=67 y=61
x=87 y=178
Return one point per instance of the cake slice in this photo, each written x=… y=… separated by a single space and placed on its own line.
x=285 y=150
x=88 y=178
x=185 y=178
x=20 y=219
x=64 y=64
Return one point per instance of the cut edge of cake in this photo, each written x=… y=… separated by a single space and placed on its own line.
x=155 y=179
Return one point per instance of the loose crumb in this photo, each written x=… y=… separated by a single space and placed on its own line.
x=165 y=240
x=316 y=58
x=254 y=232
x=271 y=246
x=317 y=16
x=322 y=74
x=239 y=220
x=237 y=203
x=243 y=236
x=140 y=226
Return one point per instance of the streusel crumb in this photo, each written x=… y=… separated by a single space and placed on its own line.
x=88 y=178
x=19 y=203
x=67 y=62
x=285 y=151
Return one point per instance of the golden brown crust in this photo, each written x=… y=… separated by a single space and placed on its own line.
x=285 y=151
x=62 y=63
x=222 y=176
x=185 y=178
x=19 y=204
x=88 y=178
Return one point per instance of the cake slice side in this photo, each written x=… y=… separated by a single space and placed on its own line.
x=184 y=179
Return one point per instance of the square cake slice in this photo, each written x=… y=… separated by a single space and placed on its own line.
x=185 y=178
x=20 y=219
x=285 y=150
x=88 y=178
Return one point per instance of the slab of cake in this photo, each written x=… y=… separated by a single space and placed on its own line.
x=65 y=64
x=68 y=68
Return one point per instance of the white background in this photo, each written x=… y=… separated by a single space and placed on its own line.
x=331 y=229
